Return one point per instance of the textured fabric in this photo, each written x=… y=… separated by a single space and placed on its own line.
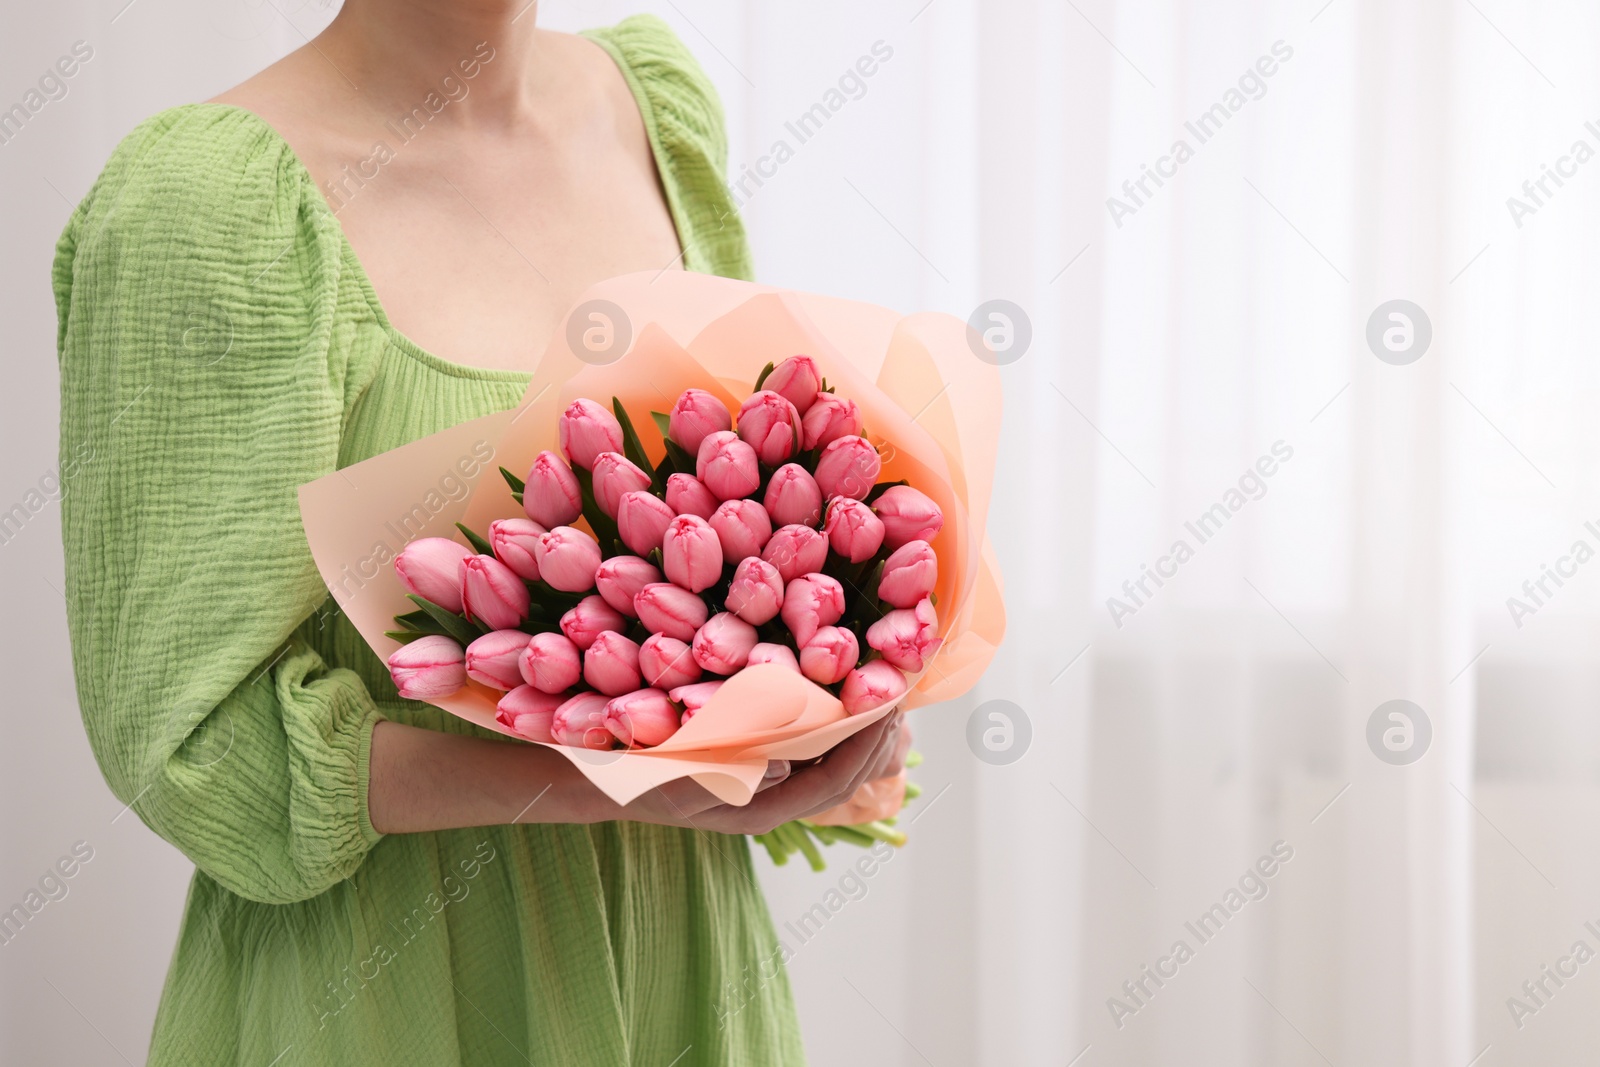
x=220 y=345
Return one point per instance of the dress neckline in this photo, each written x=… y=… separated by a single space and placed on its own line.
x=399 y=340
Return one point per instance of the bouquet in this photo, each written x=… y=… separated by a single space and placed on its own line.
x=751 y=574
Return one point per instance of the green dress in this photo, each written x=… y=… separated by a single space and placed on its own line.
x=220 y=345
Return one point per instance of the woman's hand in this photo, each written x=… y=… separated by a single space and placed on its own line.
x=784 y=795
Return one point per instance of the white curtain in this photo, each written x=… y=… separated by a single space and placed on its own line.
x=1185 y=340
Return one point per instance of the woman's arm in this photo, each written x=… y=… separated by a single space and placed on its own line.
x=423 y=780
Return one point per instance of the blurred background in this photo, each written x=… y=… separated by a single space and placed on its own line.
x=1305 y=287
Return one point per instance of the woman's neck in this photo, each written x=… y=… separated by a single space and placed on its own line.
x=482 y=55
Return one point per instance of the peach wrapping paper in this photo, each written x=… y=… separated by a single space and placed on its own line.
x=929 y=404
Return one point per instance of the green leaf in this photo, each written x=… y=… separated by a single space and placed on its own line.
x=517 y=484
x=479 y=545
x=603 y=525
x=632 y=447
x=405 y=637
x=663 y=423
x=453 y=625
x=762 y=380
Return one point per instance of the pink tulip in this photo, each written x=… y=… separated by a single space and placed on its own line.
x=793 y=498
x=691 y=554
x=551 y=663
x=854 y=530
x=551 y=496
x=797 y=380
x=491 y=593
x=615 y=474
x=667 y=663
x=906 y=637
x=688 y=495
x=586 y=430
x=871 y=685
x=641 y=520
x=430 y=567
x=909 y=574
x=849 y=467
x=796 y=550
x=568 y=558
x=727 y=466
x=611 y=664
x=829 y=419
x=694 y=697
x=620 y=578
x=515 y=543
x=830 y=655
x=908 y=515
x=492 y=659
x=769 y=424
x=580 y=722
x=643 y=717
x=723 y=644
x=766 y=652
x=528 y=713
x=810 y=602
x=428 y=667
x=756 y=593
x=588 y=619
x=742 y=528
x=666 y=609
x=696 y=414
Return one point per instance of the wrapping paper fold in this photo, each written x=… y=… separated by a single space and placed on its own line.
x=929 y=404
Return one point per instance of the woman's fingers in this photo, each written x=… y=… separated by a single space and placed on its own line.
x=894 y=760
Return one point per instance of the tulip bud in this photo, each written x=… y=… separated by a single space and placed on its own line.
x=742 y=528
x=515 y=543
x=666 y=609
x=551 y=663
x=491 y=593
x=908 y=515
x=492 y=659
x=756 y=592
x=848 y=467
x=829 y=419
x=796 y=550
x=528 y=713
x=691 y=554
x=830 y=655
x=871 y=685
x=854 y=530
x=620 y=578
x=643 y=717
x=723 y=644
x=909 y=574
x=727 y=466
x=797 y=380
x=782 y=655
x=688 y=495
x=906 y=637
x=811 y=601
x=642 y=518
x=667 y=662
x=551 y=496
x=588 y=619
x=614 y=475
x=580 y=722
x=793 y=498
x=769 y=424
x=586 y=430
x=568 y=558
x=430 y=567
x=696 y=414
x=694 y=697
x=611 y=664
x=428 y=668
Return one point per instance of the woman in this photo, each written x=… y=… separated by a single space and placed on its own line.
x=366 y=243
